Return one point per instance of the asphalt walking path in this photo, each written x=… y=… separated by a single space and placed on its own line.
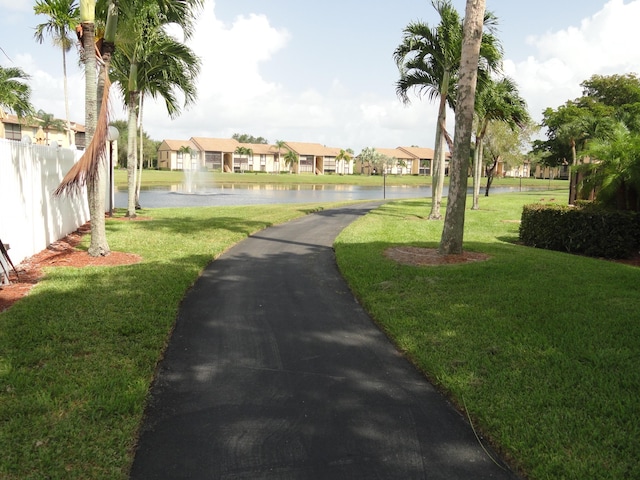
x=274 y=371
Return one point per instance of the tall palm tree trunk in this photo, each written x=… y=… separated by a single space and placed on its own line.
x=131 y=154
x=439 y=156
x=98 y=246
x=453 y=230
x=140 y=152
x=66 y=96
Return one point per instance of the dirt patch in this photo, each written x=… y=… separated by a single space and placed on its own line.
x=62 y=253
x=417 y=256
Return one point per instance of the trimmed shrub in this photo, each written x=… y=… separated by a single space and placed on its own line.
x=581 y=230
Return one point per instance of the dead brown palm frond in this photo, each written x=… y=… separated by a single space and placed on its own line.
x=88 y=167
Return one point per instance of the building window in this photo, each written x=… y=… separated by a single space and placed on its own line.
x=81 y=140
x=13 y=131
x=305 y=163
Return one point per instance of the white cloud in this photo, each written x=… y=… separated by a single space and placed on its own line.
x=602 y=44
x=234 y=96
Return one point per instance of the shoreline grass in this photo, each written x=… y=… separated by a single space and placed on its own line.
x=163 y=178
x=539 y=347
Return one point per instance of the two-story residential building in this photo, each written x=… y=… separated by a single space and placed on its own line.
x=29 y=129
x=319 y=159
x=400 y=161
x=228 y=155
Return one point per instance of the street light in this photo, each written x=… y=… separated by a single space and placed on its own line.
x=112 y=136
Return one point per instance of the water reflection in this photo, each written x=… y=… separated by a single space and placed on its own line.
x=225 y=194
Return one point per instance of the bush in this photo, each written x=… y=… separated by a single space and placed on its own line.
x=582 y=230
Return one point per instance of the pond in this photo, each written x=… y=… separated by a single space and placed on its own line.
x=257 y=194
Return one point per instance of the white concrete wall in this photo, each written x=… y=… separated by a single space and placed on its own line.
x=31 y=218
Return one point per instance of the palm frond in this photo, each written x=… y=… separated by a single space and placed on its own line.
x=87 y=168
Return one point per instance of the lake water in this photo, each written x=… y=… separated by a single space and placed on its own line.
x=256 y=194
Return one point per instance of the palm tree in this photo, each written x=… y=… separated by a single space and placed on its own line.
x=89 y=169
x=495 y=101
x=453 y=229
x=370 y=157
x=280 y=144
x=63 y=18
x=15 y=93
x=345 y=157
x=149 y=61
x=290 y=159
x=244 y=151
x=48 y=122
x=428 y=60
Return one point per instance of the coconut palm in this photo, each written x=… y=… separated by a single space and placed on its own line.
x=63 y=18
x=149 y=61
x=496 y=100
x=15 y=93
x=428 y=60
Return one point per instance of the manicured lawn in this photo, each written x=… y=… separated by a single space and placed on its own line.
x=164 y=178
x=540 y=348
x=77 y=355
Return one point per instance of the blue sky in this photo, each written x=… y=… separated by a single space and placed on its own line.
x=323 y=71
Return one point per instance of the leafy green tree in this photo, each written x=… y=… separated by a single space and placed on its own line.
x=428 y=60
x=246 y=138
x=63 y=18
x=615 y=177
x=15 y=93
x=370 y=158
x=496 y=101
x=503 y=143
x=453 y=229
x=605 y=101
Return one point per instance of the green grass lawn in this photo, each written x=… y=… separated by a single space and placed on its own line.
x=164 y=178
x=539 y=347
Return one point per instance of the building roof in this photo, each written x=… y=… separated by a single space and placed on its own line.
x=34 y=122
x=395 y=153
x=315 y=149
x=175 y=145
x=260 y=148
x=228 y=145
x=419 y=152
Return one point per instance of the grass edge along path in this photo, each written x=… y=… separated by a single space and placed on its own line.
x=540 y=348
x=78 y=354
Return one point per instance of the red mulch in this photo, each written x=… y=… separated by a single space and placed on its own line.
x=62 y=253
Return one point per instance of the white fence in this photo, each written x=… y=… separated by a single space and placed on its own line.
x=31 y=218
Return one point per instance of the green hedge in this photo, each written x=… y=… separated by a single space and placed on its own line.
x=581 y=230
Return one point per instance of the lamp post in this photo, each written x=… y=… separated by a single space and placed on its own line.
x=112 y=136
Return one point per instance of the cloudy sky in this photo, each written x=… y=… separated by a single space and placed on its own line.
x=323 y=71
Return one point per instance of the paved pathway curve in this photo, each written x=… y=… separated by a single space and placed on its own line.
x=274 y=371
